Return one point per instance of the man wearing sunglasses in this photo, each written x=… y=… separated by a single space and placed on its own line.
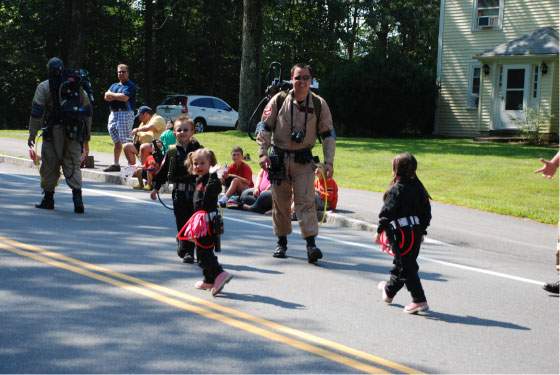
x=290 y=125
x=122 y=103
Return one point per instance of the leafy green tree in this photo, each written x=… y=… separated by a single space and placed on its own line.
x=380 y=95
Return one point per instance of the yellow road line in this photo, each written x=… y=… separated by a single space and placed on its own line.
x=212 y=315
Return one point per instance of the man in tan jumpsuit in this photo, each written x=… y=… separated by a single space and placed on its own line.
x=58 y=149
x=291 y=129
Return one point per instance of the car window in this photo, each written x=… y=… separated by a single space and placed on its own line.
x=203 y=102
x=174 y=100
x=220 y=104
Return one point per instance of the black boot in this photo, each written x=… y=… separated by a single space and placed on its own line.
x=185 y=250
x=313 y=252
x=181 y=248
x=552 y=287
x=48 y=201
x=189 y=257
x=281 y=247
x=78 y=203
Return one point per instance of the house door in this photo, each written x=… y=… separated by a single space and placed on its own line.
x=515 y=93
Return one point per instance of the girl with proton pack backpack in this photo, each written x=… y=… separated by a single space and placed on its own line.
x=403 y=219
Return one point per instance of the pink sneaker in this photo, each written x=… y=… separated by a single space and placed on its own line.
x=381 y=287
x=203 y=285
x=220 y=282
x=414 y=307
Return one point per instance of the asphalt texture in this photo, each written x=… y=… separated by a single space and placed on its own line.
x=482 y=272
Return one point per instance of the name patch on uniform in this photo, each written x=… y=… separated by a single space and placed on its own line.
x=309 y=110
x=267 y=111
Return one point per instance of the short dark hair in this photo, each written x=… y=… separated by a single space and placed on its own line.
x=237 y=149
x=184 y=120
x=301 y=66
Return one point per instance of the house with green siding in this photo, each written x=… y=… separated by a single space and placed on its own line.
x=497 y=63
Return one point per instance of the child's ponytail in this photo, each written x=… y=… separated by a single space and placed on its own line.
x=404 y=168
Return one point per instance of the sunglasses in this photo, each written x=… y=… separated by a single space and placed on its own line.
x=182 y=130
x=122 y=71
x=305 y=78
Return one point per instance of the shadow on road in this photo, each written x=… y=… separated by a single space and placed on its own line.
x=260 y=299
x=471 y=320
x=236 y=267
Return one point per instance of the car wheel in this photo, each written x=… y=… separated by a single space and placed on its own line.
x=236 y=125
x=199 y=125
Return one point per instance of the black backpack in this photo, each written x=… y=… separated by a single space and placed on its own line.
x=70 y=111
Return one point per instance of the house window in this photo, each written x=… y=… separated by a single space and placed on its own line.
x=487 y=14
x=535 y=81
x=474 y=86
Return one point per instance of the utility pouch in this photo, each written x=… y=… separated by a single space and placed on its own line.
x=276 y=170
x=47 y=133
x=217 y=225
x=217 y=244
x=76 y=131
x=303 y=157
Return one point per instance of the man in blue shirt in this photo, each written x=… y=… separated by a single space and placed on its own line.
x=122 y=103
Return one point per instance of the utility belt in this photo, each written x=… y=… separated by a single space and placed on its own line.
x=402 y=241
x=300 y=156
x=183 y=186
x=76 y=132
x=407 y=221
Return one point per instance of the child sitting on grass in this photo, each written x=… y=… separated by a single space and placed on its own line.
x=150 y=167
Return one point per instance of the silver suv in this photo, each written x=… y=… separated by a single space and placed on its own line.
x=206 y=111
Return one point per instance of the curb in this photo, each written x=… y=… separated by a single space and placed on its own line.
x=117 y=179
x=347 y=222
x=92 y=174
x=113 y=178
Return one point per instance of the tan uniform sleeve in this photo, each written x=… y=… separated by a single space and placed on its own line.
x=270 y=113
x=326 y=124
x=84 y=98
x=329 y=146
x=39 y=99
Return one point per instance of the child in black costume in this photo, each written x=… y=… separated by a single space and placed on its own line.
x=404 y=217
x=183 y=181
x=203 y=163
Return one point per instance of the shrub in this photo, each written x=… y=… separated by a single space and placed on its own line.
x=533 y=127
x=379 y=95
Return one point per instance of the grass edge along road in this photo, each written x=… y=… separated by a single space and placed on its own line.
x=321 y=347
x=494 y=177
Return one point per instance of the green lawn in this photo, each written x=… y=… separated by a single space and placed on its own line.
x=494 y=177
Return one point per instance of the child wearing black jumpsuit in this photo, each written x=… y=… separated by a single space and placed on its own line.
x=404 y=217
x=183 y=181
x=202 y=162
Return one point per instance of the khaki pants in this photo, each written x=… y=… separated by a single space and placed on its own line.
x=60 y=151
x=302 y=178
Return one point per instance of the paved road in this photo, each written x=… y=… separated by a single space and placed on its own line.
x=358 y=209
x=62 y=313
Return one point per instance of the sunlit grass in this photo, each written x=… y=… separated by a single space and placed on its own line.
x=493 y=177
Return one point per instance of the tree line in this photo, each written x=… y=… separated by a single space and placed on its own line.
x=375 y=59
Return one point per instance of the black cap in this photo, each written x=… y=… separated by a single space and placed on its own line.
x=55 y=65
x=144 y=109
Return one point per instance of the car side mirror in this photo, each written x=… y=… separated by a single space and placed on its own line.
x=228 y=109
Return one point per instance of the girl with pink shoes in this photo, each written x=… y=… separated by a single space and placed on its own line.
x=404 y=217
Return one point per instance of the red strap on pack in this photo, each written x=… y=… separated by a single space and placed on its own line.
x=196 y=227
x=385 y=242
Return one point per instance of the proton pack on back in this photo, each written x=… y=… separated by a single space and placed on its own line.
x=69 y=109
